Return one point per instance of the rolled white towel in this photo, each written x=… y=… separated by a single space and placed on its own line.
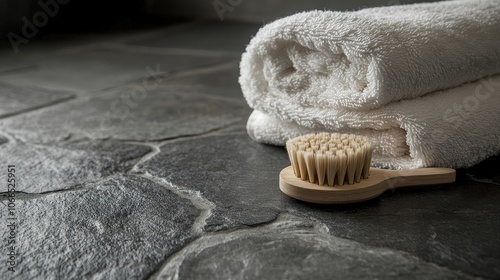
x=455 y=128
x=368 y=58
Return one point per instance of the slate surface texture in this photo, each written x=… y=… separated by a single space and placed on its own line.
x=132 y=162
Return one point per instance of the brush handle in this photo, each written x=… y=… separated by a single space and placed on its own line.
x=380 y=180
x=415 y=177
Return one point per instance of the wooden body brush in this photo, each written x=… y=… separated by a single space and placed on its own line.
x=335 y=169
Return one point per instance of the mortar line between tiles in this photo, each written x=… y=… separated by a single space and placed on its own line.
x=162 y=141
x=155 y=149
x=316 y=226
x=203 y=69
x=29 y=196
x=35 y=108
x=195 y=197
x=197 y=200
x=239 y=100
x=20 y=195
x=169 y=51
x=227 y=232
x=170 y=76
x=68 y=189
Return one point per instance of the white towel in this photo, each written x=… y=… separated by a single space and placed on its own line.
x=368 y=58
x=454 y=128
x=345 y=72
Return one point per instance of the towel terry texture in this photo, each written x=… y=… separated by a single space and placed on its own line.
x=406 y=76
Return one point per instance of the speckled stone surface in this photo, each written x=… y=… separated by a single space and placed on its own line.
x=130 y=114
x=124 y=174
x=69 y=165
x=240 y=177
x=294 y=249
x=120 y=228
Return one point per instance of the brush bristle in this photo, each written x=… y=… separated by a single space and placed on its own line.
x=330 y=158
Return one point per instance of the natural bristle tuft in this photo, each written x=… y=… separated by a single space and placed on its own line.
x=330 y=158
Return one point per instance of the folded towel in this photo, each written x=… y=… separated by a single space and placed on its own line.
x=395 y=74
x=368 y=58
x=455 y=128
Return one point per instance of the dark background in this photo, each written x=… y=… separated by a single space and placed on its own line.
x=89 y=16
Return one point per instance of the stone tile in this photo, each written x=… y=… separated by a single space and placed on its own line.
x=231 y=38
x=81 y=70
x=294 y=249
x=234 y=172
x=455 y=226
x=121 y=229
x=17 y=100
x=50 y=168
x=127 y=114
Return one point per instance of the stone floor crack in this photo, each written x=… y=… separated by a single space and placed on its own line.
x=161 y=141
x=320 y=227
x=171 y=51
x=202 y=70
x=28 y=196
x=196 y=199
x=283 y=223
x=35 y=108
x=177 y=75
x=155 y=149
x=72 y=188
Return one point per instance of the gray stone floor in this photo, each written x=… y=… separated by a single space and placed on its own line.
x=132 y=162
